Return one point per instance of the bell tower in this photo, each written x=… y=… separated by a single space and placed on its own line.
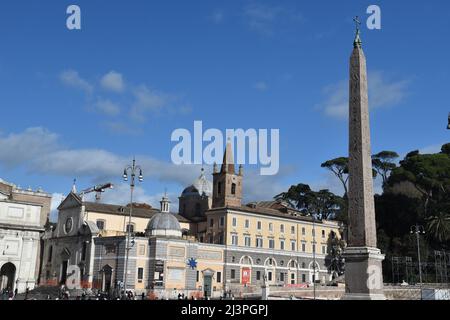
x=227 y=185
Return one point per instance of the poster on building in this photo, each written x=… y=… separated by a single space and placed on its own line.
x=246 y=272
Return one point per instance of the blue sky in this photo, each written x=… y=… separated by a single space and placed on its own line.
x=80 y=104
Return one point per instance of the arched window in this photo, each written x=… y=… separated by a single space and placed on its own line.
x=50 y=254
x=233 y=188
x=219 y=187
x=246 y=260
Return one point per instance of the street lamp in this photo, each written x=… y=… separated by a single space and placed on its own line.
x=132 y=170
x=418 y=230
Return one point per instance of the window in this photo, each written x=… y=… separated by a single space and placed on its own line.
x=258 y=275
x=130 y=228
x=221 y=239
x=83 y=251
x=270 y=262
x=247 y=241
x=222 y=221
x=282 y=277
x=281 y=244
x=292 y=264
x=304 y=247
x=292 y=278
x=100 y=224
x=303 y=265
x=269 y=276
x=198 y=276
x=233 y=188
x=303 y=231
x=271 y=244
x=234 y=222
x=271 y=227
x=303 y=278
x=219 y=277
x=323 y=234
x=292 y=230
x=142 y=249
x=234 y=239
x=140 y=275
x=109 y=249
x=50 y=254
x=211 y=223
x=259 y=226
x=219 y=188
x=259 y=242
x=247 y=224
x=293 y=245
x=233 y=274
x=324 y=249
x=282 y=228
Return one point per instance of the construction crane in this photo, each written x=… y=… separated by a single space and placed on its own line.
x=98 y=189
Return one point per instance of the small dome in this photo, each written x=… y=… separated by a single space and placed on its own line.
x=163 y=224
x=190 y=191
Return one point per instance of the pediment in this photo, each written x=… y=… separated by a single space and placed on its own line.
x=71 y=201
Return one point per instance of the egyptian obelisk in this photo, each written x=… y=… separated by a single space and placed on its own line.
x=363 y=269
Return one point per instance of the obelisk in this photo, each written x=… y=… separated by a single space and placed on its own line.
x=363 y=269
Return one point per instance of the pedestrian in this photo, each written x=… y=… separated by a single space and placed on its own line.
x=143 y=296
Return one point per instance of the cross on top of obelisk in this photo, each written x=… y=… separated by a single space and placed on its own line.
x=357 y=43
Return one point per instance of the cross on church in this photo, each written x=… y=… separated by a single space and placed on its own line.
x=357 y=22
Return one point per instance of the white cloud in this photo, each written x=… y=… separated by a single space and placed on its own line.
x=57 y=198
x=264 y=19
x=257 y=187
x=39 y=151
x=72 y=79
x=383 y=92
x=107 y=107
x=147 y=100
x=18 y=148
x=138 y=101
x=113 y=81
x=261 y=86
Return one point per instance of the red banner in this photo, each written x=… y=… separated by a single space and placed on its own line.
x=246 y=274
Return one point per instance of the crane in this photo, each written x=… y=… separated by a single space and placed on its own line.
x=98 y=189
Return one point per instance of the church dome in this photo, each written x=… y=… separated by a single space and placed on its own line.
x=190 y=191
x=163 y=224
